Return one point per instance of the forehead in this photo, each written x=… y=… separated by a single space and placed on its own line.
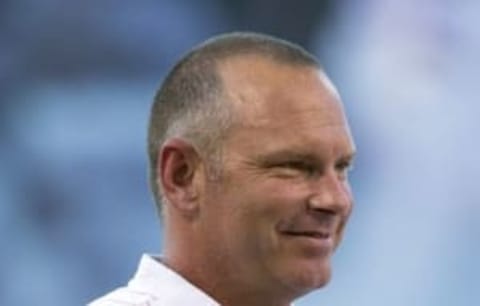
x=291 y=103
x=263 y=90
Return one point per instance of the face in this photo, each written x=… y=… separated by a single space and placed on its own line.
x=279 y=209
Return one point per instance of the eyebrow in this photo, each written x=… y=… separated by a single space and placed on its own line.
x=271 y=158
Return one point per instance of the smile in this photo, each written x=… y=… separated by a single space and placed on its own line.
x=313 y=243
x=309 y=234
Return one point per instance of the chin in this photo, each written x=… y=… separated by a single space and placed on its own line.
x=309 y=277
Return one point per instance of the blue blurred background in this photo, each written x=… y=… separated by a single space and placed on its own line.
x=76 y=82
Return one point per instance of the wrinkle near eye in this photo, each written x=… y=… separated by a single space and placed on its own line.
x=254 y=167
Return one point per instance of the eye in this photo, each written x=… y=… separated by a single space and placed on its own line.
x=298 y=166
x=344 y=167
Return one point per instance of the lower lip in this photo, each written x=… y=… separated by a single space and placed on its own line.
x=312 y=244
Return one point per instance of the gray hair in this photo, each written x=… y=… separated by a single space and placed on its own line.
x=191 y=102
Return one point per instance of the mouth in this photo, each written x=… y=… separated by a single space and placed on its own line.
x=313 y=243
x=309 y=234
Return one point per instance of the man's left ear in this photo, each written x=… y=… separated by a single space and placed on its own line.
x=178 y=166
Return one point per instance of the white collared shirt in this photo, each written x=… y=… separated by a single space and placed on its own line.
x=154 y=284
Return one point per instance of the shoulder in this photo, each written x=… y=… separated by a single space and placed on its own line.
x=155 y=284
x=125 y=297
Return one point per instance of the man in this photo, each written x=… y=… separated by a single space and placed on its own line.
x=249 y=153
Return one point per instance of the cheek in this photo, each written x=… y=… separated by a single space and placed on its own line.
x=269 y=203
x=251 y=209
x=256 y=207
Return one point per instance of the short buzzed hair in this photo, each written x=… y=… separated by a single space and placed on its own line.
x=191 y=104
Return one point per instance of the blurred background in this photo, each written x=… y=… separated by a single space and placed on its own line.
x=76 y=82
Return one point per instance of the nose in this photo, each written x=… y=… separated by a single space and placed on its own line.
x=331 y=194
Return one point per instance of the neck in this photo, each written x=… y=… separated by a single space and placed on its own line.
x=221 y=281
x=201 y=262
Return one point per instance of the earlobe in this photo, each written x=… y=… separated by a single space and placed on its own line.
x=176 y=170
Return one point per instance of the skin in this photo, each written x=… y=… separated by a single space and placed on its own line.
x=264 y=232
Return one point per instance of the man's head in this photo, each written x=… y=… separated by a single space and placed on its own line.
x=191 y=102
x=251 y=155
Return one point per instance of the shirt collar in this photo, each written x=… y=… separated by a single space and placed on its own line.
x=167 y=286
